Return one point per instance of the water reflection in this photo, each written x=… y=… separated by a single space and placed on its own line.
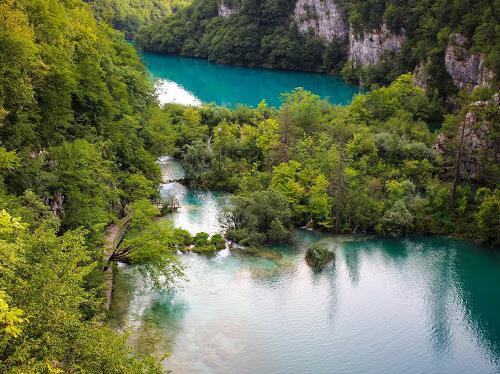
x=190 y=81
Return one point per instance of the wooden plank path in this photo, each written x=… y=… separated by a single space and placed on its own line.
x=114 y=236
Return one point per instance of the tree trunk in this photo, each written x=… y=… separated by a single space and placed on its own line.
x=456 y=167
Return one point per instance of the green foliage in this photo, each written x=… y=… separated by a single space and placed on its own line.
x=80 y=132
x=130 y=15
x=11 y=320
x=261 y=217
x=260 y=34
x=182 y=237
x=201 y=239
x=86 y=181
x=317 y=257
x=59 y=327
x=372 y=166
x=78 y=123
x=218 y=241
x=152 y=247
x=205 y=244
x=488 y=216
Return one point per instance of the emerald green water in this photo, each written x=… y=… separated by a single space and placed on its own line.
x=418 y=305
x=193 y=81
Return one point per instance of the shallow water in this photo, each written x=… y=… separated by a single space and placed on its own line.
x=192 y=81
x=420 y=305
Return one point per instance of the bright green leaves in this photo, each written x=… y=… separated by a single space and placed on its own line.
x=49 y=316
x=152 y=247
x=11 y=320
x=86 y=182
x=10 y=226
x=8 y=160
x=320 y=203
x=285 y=181
x=488 y=215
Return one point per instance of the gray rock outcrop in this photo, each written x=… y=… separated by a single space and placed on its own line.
x=467 y=70
x=478 y=145
x=227 y=8
x=368 y=47
x=322 y=17
x=421 y=77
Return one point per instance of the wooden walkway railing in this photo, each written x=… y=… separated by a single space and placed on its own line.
x=114 y=236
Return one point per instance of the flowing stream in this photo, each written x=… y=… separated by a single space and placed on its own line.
x=419 y=305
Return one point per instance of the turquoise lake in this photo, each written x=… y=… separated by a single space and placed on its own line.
x=410 y=305
x=192 y=81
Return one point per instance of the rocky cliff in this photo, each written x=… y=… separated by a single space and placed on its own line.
x=465 y=68
x=322 y=17
x=480 y=147
x=368 y=47
x=421 y=77
x=227 y=8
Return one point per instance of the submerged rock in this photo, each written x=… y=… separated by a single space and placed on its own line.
x=317 y=257
x=267 y=254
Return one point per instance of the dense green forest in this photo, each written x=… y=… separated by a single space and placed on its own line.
x=78 y=143
x=262 y=33
x=130 y=15
x=373 y=166
x=81 y=131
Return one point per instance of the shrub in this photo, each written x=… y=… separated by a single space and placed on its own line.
x=317 y=257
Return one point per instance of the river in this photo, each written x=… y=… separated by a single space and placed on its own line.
x=411 y=305
x=192 y=81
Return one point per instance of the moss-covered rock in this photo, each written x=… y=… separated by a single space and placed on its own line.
x=317 y=257
x=206 y=249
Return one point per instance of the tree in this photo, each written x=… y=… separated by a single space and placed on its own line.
x=261 y=217
x=196 y=159
x=46 y=277
x=397 y=220
x=320 y=203
x=285 y=181
x=86 y=182
x=488 y=215
x=151 y=245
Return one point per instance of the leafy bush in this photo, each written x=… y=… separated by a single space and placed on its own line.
x=317 y=257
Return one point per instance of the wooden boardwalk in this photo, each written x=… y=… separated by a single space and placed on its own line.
x=114 y=236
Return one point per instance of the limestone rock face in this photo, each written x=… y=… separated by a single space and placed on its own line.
x=227 y=8
x=421 y=77
x=323 y=17
x=367 y=48
x=465 y=68
x=56 y=203
x=478 y=144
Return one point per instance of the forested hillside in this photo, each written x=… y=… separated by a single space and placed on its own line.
x=370 y=167
x=78 y=142
x=130 y=15
x=259 y=34
x=327 y=36
x=81 y=132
